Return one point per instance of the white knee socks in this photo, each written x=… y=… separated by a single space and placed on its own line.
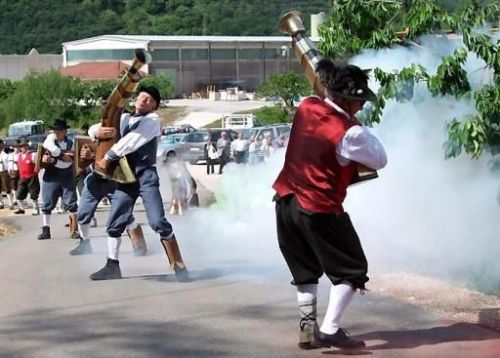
x=46 y=219
x=306 y=297
x=83 y=230
x=10 y=198
x=114 y=247
x=340 y=296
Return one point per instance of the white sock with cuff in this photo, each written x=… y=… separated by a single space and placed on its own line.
x=114 y=247
x=340 y=297
x=46 y=219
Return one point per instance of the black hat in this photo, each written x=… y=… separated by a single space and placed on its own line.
x=347 y=81
x=59 y=124
x=153 y=92
x=22 y=142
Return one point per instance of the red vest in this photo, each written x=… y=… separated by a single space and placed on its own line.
x=311 y=170
x=26 y=166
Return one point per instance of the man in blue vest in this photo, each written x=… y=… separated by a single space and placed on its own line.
x=58 y=178
x=138 y=143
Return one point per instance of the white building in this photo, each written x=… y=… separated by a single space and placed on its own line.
x=194 y=62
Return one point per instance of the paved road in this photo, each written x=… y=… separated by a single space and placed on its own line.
x=204 y=111
x=239 y=303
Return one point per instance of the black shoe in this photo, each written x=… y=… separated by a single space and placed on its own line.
x=45 y=234
x=181 y=273
x=83 y=248
x=338 y=339
x=109 y=272
x=19 y=212
x=306 y=333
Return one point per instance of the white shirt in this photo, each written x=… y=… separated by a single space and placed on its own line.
x=252 y=147
x=359 y=145
x=12 y=161
x=148 y=129
x=239 y=145
x=3 y=161
x=56 y=149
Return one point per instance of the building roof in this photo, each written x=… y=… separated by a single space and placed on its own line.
x=149 y=38
x=101 y=70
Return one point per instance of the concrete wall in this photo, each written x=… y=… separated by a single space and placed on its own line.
x=16 y=67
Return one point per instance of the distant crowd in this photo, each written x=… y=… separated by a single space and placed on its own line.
x=241 y=150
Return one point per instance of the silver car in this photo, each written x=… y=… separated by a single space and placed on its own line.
x=169 y=145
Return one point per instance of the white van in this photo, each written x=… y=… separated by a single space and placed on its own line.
x=240 y=121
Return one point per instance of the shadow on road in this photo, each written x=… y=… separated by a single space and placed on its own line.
x=104 y=334
x=217 y=272
x=458 y=332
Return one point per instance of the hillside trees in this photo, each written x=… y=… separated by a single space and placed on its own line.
x=45 y=25
x=49 y=95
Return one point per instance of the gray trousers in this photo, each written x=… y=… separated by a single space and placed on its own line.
x=58 y=182
x=124 y=198
x=94 y=189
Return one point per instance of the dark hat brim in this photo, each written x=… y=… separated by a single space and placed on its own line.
x=59 y=127
x=367 y=95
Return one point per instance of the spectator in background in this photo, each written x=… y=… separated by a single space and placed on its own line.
x=5 y=182
x=29 y=182
x=280 y=142
x=268 y=146
x=239 y=147
x=253 y=150
x=223 y=149
x=210 y=155
x=13 y=167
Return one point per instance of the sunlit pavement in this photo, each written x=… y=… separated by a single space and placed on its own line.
x=239 y=303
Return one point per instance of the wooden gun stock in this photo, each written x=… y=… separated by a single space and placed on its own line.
x=111 y=113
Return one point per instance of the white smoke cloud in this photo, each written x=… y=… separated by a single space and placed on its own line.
x=423 y=213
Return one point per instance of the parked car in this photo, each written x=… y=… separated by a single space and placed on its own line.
x=275 y=129
x=176 y=129
x=36 y=139
x=31 y=130
x=193 y=143
x=169 y=145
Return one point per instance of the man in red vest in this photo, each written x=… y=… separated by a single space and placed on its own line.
x=315 y=235
x=28 y=179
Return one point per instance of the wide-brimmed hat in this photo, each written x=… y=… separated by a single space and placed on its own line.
x=59 y=124
x=152 y=91
x=347 y=81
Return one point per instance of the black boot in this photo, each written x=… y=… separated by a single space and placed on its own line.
x=19 y=212
x=83 y=248
x=45 y=234
x=109 y=272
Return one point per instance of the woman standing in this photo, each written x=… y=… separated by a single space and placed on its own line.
x=211 y=155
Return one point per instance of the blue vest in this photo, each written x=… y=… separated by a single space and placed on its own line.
x=143 y=157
